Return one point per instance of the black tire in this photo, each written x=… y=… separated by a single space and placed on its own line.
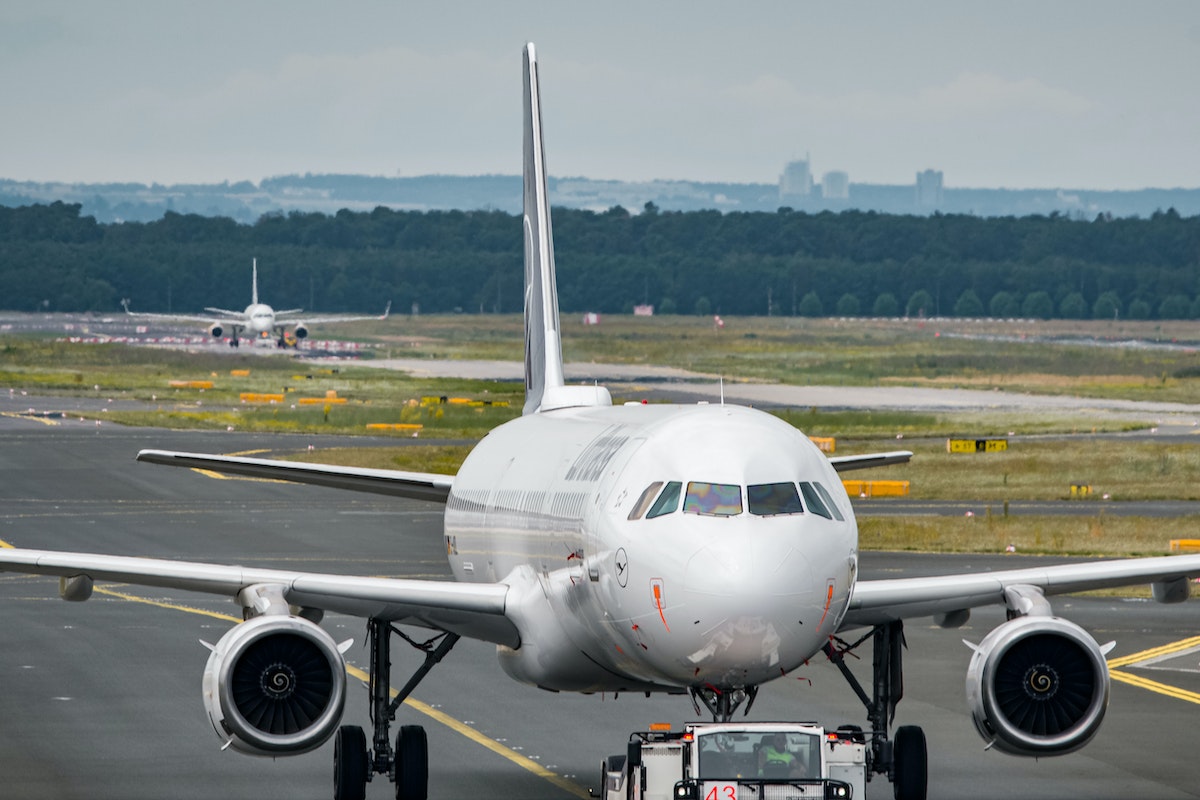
x=911 y=764
x=412 y=763
x=350 y=763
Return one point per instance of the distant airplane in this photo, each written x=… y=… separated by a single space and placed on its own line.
x=261 y=322
x=686 y=549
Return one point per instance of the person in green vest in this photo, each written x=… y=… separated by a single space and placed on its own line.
x=774 y=759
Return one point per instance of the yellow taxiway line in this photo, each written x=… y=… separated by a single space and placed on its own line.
x=1155 y=686
x=450 y=722
x=1155 y=652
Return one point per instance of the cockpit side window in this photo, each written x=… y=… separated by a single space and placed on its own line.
x=813 y=500
x=639 y=508
x=714 y=499
x=768 y=499
x=667 y=502
x=828 y=498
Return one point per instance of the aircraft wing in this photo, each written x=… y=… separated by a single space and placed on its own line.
x=868 y=460
x=475 y=610
x=414 y=485
x=222 y=311
x=182 y=317
x=336 y=317
x=879 y=601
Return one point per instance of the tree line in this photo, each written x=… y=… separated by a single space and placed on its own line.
x=788 y=262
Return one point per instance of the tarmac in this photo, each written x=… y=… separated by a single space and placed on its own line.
x=101 y=700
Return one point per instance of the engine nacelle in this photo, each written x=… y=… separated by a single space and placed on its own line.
x=300 y=332
x=275 y=685
x=1038 y=686
x=216 y=330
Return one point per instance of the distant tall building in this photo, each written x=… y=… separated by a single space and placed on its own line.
x=929 y=189
x=796 y=181
x=835 y=185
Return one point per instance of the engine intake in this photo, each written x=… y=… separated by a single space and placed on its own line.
x=1038 y=686
x=300 y=332
x=275 y=685
x=216 y=330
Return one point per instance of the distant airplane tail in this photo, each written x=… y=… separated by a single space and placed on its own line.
x=544 y=385
x=254 y=282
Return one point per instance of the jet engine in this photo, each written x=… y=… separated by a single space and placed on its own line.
x=300 y=332
x=275 y=685
x=1038 y=686
x=216 y=330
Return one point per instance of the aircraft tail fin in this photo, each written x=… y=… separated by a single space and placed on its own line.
x=544 y=386
x=254 y=282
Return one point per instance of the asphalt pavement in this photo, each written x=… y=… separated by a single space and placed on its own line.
x=102 y=699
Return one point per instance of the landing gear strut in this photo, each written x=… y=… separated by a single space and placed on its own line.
x=904 y=761
x=722 y=703
x=407 y=765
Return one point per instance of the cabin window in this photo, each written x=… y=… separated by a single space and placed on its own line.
x=813 y=500
x=828 y=498
x=667 y=502
x=713 y=499
x=769 y=499
x=643 y=503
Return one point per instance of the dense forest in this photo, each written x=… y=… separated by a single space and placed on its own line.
x=786 y=263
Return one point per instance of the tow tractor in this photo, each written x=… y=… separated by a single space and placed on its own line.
x=738 y=761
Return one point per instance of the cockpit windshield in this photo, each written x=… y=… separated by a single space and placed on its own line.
x=768 y=499
x=725 y=500
x=667 y=502
x=715 y=499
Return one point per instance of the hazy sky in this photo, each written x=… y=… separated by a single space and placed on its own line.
x=1053 y=93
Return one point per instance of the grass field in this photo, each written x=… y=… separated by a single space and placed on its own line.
x=1041 y=464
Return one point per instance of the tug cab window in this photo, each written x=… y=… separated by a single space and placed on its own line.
x=769 y=499
x=667 y=502
x=713 y=499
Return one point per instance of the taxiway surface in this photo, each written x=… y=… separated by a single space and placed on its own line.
x=101 y=700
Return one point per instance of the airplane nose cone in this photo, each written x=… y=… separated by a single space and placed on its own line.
x=747 y=603
x=749 y=577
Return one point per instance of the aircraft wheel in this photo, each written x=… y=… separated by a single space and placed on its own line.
x=350 y=763
x=412 y=763
x=911 y=763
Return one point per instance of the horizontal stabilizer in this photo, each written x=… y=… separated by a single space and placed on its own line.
x=413 y=485
x=869 y=460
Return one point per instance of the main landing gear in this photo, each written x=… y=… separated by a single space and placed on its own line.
x=408 y=764
x=903 y=760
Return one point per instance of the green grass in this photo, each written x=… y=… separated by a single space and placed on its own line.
x=845 y=352
x=1092 y=535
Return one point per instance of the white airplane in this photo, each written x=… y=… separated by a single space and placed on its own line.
x=688 y=549
x=261 y=322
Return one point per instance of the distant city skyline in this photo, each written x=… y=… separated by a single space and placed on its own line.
x=1070 y=94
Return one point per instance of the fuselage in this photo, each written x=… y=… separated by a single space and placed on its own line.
x=655 y=547
x=260 y=320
